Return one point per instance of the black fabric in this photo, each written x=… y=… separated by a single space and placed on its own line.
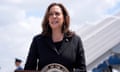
x=70 y=53
x=58 y=44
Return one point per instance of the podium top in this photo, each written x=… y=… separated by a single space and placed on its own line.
x=26 y=71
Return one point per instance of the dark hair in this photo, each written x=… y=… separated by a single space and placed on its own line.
x=46 y=30
x=18 y=60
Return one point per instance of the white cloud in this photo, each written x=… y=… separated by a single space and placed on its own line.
x=112 y=2
x=32 y=24
x=17 y=32
x=16 y=39
x=11 y=1
x=10 y=15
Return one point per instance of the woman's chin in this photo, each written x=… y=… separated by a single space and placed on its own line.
x=55 y=26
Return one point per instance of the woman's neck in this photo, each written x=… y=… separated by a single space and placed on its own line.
x=57 y=35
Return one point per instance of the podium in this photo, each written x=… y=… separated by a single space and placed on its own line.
x=26 y=71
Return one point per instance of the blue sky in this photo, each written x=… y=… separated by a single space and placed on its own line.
x=20 y=20
x=114 y=9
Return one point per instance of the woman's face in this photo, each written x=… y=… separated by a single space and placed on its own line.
x=56 y=17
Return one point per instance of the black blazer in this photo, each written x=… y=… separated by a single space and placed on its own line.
x=43 y=52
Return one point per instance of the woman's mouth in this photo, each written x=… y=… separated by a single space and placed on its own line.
x=55 y=22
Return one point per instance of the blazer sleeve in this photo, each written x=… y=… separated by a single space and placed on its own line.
x=80 y=57
x=31 y=62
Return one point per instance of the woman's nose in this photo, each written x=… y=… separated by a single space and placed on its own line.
x=54 y=15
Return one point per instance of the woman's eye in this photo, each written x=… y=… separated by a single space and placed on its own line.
x=50 y=14
x=57 y=13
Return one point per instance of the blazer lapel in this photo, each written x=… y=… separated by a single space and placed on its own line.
x=51 y=45
x=65 y=44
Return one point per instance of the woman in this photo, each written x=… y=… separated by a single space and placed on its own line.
x=56 y=43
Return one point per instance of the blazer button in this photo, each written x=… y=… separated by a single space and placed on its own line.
x=66 y=40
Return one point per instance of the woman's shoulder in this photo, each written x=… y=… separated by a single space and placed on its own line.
x=76 y=36
x=73 y=36
x=38 y=36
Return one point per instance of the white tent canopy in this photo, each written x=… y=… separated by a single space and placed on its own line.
x=100 y=38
